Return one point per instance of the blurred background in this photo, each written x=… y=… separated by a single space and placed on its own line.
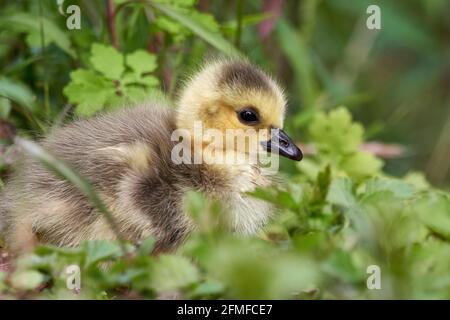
x=339 y=213
x=395 y=80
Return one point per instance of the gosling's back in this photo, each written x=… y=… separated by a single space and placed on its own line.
x=126 y=155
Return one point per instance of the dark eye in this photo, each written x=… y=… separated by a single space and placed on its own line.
x=248 y=116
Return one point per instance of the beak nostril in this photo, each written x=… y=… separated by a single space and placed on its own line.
x=284 y=143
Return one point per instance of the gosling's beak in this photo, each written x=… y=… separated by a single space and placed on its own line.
x=281 y=143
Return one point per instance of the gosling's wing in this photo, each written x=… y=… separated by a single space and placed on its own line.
x=100 y=148
x=106 y=150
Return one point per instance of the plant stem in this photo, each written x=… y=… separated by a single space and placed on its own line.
x=438 y=165
x=239 y=10
x=111 y=23
x=46 y=85
x=176 y=71
x=67 y=173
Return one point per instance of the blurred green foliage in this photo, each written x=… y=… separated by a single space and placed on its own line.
x=338 y=211
x=329 y=229
x=110 y=84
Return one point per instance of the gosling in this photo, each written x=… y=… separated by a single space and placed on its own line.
x=128 y=157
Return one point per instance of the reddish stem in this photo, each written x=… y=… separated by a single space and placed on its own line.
x=274 y=7
x=111 y=23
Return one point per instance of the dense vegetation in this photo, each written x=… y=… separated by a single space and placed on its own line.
x=341 y=210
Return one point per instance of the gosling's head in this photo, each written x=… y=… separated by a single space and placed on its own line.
x=234 y=94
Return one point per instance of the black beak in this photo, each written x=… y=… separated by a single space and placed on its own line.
x=281 y=143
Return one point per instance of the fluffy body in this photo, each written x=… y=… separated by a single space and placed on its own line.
x=127 y=157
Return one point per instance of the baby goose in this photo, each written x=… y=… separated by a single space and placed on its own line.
x=128 y=157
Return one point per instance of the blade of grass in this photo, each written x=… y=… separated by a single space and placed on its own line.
x=64 y=171
x=294 y=47
x=356 y=54
x=214 y=39
x=59 y=119
x=25 y=22
x=44 y=59
x=17 y=92
x=239 y=10
x=24 y=101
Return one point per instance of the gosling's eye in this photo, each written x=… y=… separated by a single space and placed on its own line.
x=248 y=116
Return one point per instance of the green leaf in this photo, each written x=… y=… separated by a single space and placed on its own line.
x=322 y=184
x=207 y=288
x=418 y=180
x=399 y=188
x=252 y=270
x=194 y=203
x=206 y=20
x=132 y=78
x=241 y=271
x=186 y=8
x=149 y=81
x=132 y=95
x=111 y=86
x=230 y=27
x=340 y=193
x=5 y=107
x=289 y=198
x=27 y=279
x=32 y=25
x=17 y=92
x=292 y=275
x=91 y=107
x=214 y=39
x=89 y=90
x=107 y=60
x=141 y=62
x=173 y=272
x=361 y=165
x=97 y=251
x=341 y=265
x=434 y=211
x=172 y=27
x=335 y=132
x=393 y=220
x=309 y=168
x=147 y=246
